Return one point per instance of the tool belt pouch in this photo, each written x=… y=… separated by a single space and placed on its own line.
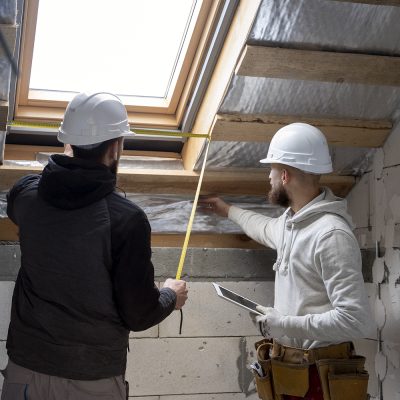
x=348 y=386
x=264 y=384
x=290 y=379
x=343 y=379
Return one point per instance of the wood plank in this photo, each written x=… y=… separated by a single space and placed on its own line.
x=236 y=182
x=20 y=152
x=339 y=132
x=321 y=66
x=27 y=152
x=339 y=184
x=3 y=115
x=234 y=42
x=9 y=174
x=374 y=2
x=56 y=114
x=209 y=240
x=9 y=232
x=185 y=182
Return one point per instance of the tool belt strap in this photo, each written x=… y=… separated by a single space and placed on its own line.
x=299 y=356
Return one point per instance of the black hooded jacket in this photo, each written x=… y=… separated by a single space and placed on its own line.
x=86 y=276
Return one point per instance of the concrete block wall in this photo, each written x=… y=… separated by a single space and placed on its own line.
x=209 y=360
x=375 y=206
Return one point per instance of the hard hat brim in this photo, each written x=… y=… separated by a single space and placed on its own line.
x=311 y=169
x=86 y=140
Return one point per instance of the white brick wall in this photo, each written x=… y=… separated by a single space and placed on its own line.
x=375 y=205
x=208 y=362
x=3 y=361
x=206 y=314
x=184 y=366
x=6 y=290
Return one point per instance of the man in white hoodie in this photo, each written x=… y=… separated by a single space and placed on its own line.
x=320 y=298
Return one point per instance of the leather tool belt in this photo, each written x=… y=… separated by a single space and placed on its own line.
x=286 y=371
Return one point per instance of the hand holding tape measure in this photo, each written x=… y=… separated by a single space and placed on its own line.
x=179 y=287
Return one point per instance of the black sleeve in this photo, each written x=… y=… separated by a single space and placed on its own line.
x=140 y=304
x=19 y=186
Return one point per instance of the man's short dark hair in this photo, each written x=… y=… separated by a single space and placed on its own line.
x=95 y=154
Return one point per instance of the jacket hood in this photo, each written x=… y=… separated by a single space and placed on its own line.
x=70 y=183
x=328 y=204
x=325 y=203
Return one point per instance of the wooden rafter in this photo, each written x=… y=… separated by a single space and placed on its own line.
x=28 y=152
x=324 y=66
x=234 y=182
x=9 y=232
x=339 y=132
x=55 y=114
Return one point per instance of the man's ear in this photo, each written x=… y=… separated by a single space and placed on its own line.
x=285 y=176
x=111 y=154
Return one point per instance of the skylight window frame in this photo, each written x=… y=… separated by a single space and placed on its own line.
x=163 y=113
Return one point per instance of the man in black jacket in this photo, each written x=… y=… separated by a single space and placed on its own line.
x=86 y=276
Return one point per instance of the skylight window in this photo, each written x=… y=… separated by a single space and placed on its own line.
x=149 y=52
x=127 y=47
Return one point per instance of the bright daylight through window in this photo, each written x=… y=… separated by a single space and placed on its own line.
x=149 y=52
x=132 y=48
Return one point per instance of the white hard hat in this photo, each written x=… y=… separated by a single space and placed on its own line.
x=300 y=146
x=93 y=118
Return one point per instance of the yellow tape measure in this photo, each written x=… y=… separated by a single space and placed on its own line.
x=192 y=214
x=137 y=131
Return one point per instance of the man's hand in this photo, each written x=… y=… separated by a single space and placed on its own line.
x=271 y=322
x=179 y=287
x=214 y=204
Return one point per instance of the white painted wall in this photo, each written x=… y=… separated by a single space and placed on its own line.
x=375 y=206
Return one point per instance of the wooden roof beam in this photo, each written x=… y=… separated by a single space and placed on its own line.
x=29 y=152
x=339 y=132
x=323 y=66
x=9 y=232
x=234 y=182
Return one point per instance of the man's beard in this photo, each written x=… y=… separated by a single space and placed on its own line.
x=278 y=195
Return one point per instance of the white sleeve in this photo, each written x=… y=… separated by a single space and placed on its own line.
x=338 y=259
x=260 y=228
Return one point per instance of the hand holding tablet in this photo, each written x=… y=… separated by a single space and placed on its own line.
x=235 y=298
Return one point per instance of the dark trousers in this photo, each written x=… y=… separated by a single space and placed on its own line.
x=23 y=384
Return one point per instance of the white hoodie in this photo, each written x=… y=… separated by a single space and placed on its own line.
x=319 y=287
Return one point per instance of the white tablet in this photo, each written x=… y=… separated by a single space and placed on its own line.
x=237 y=299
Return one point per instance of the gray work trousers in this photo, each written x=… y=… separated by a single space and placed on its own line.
x=23 y=384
